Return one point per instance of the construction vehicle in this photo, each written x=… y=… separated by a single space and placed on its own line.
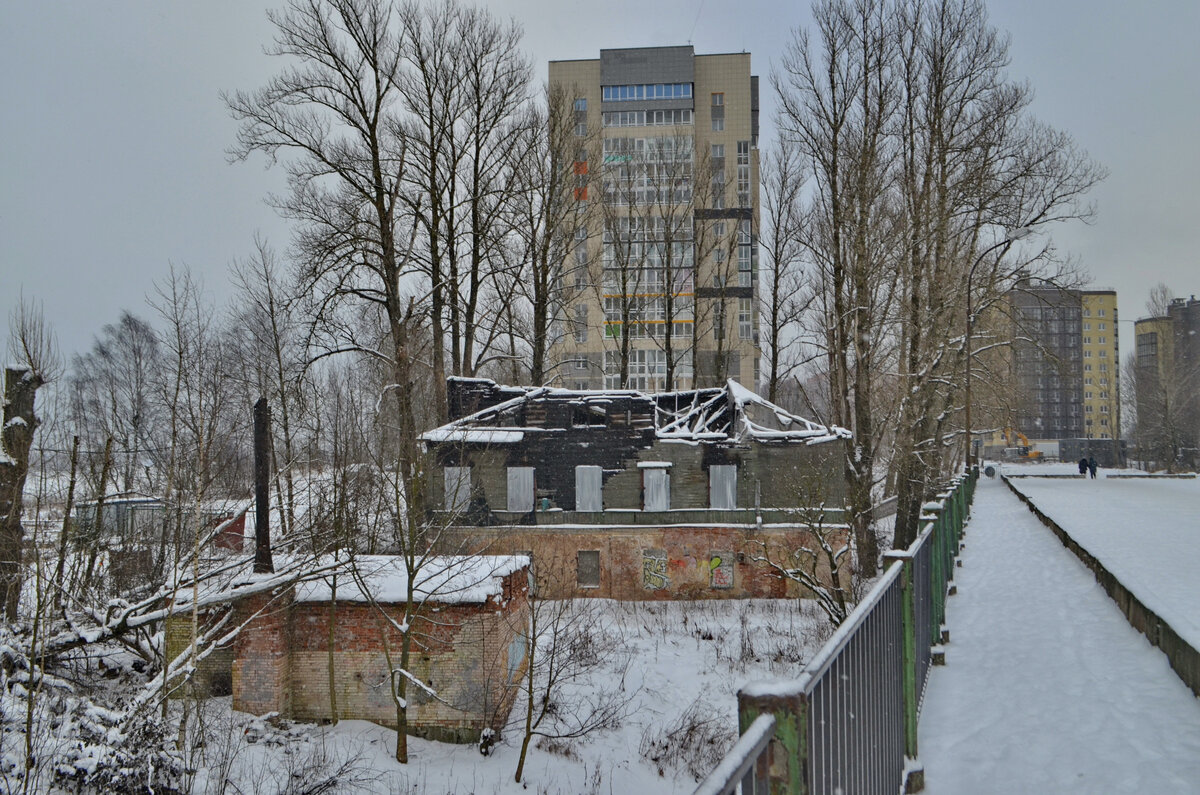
x=1019 y=447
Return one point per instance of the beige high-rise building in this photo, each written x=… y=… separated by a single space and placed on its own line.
x=663 y=279
x=1101 y=365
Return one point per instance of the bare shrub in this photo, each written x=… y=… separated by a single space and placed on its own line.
x=694 y=742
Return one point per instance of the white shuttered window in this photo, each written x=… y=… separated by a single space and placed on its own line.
x=722 y=487
x=458 y=488
x=588 y=485
x=520 y=489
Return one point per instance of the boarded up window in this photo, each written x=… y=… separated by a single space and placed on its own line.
x=656 y=483
x=720 y=569
x=587 y=567
x=654 y=569
x=588 y=485
x=520 y=489
x=458 y=488
x=722 y=487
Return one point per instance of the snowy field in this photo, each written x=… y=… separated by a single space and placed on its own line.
x=678 y=666
x=1046 y=688
x=1145 y=531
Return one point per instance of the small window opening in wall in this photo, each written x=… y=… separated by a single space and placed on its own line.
x=589 y=416
x=587 y=568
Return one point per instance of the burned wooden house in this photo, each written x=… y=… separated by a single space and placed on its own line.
x=635 y=495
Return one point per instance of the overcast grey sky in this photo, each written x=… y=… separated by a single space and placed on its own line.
x=113 y=162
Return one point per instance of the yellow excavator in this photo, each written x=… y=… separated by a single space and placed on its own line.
x=1019 y=447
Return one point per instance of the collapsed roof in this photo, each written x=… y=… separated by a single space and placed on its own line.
x=488 y=413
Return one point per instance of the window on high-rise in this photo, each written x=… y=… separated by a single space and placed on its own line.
x=581 y=322
x=581 y=103
x=745 y=315
x=718 y=125
x=718 y=99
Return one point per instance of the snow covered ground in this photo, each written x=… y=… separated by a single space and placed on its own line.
x=678 y=666
x=1046 y=688
x=1145 y=531
x=682 y=664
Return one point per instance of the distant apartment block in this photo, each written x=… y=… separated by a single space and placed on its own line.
x=663 y=276
x=1168 y=384
x=1066 y=361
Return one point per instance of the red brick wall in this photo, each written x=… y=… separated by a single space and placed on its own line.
x=689 y=553
x=261 y=655
x=471 y=655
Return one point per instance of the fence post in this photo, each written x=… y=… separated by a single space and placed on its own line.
x=787 y=753
x=908 y=652
x=935 y=513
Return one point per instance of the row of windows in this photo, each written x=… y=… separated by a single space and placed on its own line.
x=646 y=118
x=665 y=149
x=647 y=91
x=645 y=307
x=648 y=329
x=656 y=485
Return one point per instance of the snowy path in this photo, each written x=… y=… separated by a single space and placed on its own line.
x=1046 y=688
x=1146 y=532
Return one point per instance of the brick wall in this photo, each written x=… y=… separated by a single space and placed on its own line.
x=472 y=655
x=261 y=655
x=700 y=562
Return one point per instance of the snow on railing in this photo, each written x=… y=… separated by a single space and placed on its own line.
x=745 y=763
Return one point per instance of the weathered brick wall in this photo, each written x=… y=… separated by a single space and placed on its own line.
x=473 y=656
x=700 y=562
x=214 y=674
x=261 y=670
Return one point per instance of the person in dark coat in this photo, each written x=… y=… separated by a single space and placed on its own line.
x=1092 y=466
x=1083 y=466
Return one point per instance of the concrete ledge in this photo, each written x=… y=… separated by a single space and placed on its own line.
x=1047 y=475
x=1184 y=659
x=1180 y=476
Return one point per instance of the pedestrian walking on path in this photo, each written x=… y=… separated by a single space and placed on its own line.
x=1092 y=466
x=1083 y=466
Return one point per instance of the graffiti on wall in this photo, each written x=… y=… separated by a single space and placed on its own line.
x=721 y=570
x=654 y=569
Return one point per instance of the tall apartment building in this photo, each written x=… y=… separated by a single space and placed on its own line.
x=1047 y=361
x=1066 y=359
x=1168 y=385
x=665 y=268
x=1101 y=365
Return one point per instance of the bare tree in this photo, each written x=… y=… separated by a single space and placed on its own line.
x=838 y=101
x=33 y=348
x=268 y=342
x=550 y=221
x=784 y=295
x=565 y=641
x=113 y=396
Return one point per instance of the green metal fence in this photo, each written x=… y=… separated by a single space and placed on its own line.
x=848 y=724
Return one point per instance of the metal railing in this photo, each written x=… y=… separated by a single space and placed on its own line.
x=849 y=722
